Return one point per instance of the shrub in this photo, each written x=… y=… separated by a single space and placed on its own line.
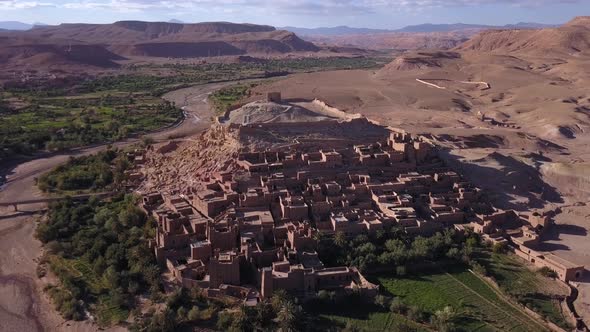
x=382 y=301
x=548 y=272
x=500 y=248
x=397 y=306
x=417 y=314
x=400 y=270
x=479 y=269
x=194 y=314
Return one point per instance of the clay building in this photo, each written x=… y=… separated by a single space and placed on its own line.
x=246 y=233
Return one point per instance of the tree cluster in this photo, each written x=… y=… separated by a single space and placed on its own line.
x=96 y=172
x=393 y=248
x=111 y=238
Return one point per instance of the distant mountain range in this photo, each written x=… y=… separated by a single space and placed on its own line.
x=334 y=31
x=14 y=25
x=345 y=30
x=427 y=27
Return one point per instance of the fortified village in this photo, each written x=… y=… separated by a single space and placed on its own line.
x=272 y=176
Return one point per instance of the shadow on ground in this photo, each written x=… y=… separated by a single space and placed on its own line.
x=509 y=178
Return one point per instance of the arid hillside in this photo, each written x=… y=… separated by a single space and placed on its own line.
x=413 y=37
x=36 y=52
x=570 y=39
x=99 y=45
x=398 y=40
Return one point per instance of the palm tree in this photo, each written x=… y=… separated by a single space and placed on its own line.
x=287 y=316
x=241 y=321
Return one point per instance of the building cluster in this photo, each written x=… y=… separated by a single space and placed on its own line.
x=248 y=233
x=522 y=234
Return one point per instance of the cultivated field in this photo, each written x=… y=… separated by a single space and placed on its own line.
x=530 y=288
x=481 y=307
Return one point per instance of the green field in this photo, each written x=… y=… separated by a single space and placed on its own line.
x=481 y=308
x=363 y=316
x=530 y=288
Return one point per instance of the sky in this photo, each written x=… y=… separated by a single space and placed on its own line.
x=384 y=14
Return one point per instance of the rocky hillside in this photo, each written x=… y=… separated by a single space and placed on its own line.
x=102 y=44
x=398 y=40
x=570 y=39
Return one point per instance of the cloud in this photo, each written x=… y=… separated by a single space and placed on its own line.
x=18 y=5
x=295 y=7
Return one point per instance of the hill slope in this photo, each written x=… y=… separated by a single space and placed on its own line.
x=569 y=39
x=102 y=44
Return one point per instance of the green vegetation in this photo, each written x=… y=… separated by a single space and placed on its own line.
x=99 y=252
x=224 y=98
x=336 y=311
x=159 y=79
x=183 y=308
x=479 y=306
x=90 y=173
x=548 y=272
x=392 y=248
x=188 y=308
x=76 y=112
x=533 y=289
x=185 y=73
x=426 y=284
x=57 y=123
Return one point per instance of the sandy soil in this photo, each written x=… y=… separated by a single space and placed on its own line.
x=23 y=306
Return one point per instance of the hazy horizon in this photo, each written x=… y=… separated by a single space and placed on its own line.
x=380 y=14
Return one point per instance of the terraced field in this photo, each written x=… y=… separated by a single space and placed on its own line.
x=531 y=288
x=481 y=307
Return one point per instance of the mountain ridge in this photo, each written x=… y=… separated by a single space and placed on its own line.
x=569 y=39
x=422 y=28
x=101 y=45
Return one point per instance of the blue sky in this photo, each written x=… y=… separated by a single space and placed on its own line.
x=300 y=13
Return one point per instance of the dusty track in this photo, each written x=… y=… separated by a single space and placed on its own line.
x=23 y=307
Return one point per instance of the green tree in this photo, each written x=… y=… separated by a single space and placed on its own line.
x=340 y=239
x=454 y=253
x=444 y=320
x=288 y=316
x=278 y=298
x=194 y=314
x=500 y=248
x=181 y=314
x=416 y=313
x=241 y=321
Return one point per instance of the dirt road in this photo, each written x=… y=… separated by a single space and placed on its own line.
x=23 y=306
